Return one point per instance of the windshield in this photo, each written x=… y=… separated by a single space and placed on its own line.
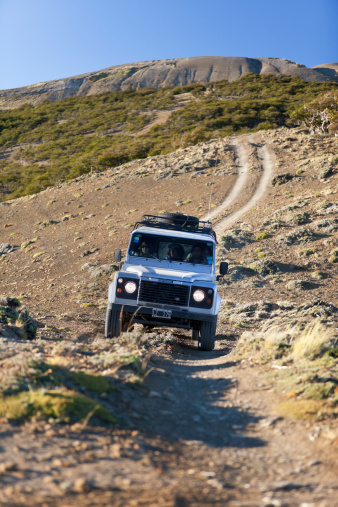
x=171 y=248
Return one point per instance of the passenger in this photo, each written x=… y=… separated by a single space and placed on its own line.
x=196 y=255
x=175 y=252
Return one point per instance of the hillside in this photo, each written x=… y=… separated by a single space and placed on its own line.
x=193 y=428
x=162 y=73
x=49 y=143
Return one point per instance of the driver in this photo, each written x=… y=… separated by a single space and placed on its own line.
x=145 y=249
x=175 y=252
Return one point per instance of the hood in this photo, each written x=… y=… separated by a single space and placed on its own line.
x=169 y=274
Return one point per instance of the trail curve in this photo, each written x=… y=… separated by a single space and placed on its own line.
x=240 y=184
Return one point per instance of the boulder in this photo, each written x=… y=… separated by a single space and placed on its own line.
x=5 y=248
x=297 y=236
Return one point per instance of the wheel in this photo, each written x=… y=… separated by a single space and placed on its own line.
x=112 y=324
x=115 y=324
x=208 y=333
x=170 y=218
x=178 y=219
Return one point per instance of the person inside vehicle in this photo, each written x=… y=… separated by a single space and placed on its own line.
x=175 y=252
x=196 y=255
x=145 y=249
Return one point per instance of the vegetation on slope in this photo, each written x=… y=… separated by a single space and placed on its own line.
x=52 y=142
x=306 y=360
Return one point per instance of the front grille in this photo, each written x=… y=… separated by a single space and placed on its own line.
x=163 y=293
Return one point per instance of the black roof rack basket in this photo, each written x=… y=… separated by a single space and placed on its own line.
x=179 y=223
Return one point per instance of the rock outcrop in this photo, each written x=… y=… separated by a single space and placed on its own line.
x=161 y=73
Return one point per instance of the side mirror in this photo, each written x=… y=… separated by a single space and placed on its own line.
x=117 y=255
x=223 y=268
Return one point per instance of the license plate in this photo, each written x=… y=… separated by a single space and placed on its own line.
x=164 y=314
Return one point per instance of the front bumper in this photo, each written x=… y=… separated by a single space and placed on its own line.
x=179 y=318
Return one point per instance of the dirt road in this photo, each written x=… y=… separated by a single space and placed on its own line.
x=204 y=433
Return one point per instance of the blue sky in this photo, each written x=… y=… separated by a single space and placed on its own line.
x=42 y=40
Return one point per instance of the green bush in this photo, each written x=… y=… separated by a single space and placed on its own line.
x=262 y=235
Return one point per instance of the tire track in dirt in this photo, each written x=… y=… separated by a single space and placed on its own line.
x=243 y=170
x=241 y=184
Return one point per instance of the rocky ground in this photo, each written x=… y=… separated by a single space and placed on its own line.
x=192 y=428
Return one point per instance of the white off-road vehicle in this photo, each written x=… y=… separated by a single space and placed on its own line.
x=168 y=279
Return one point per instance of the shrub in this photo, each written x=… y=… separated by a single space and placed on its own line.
x=262 y=235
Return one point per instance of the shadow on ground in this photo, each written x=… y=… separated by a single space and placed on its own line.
x=192 y=397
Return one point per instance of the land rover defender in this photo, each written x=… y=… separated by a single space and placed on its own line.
x=168 y=278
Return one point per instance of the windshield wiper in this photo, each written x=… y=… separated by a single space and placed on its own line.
x=154 y=257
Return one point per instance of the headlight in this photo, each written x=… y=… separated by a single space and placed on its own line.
x=198 y=295
x=130 y=287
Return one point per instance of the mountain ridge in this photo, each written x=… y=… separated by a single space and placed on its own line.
x=162 y=73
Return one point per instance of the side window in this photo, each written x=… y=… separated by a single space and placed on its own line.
x=135 y=245
x=208 y=253
x=200 y=253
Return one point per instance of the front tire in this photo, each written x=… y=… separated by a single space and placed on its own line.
x=112 y=324
x=208 y=334
x=116 y=323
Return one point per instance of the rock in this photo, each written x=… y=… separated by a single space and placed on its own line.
x=297 y=236
x=266 y=267
x=9 y=466
x=86 y=266
x=319 y=308
x=297 y=218
x=81 y=486
x=47 y=223
x=286 y=486
x=115 y=451
x=237 y=238
x=238 y=272
x=11 y=302
x=104 y=269
x=319 y=275
x=334 y=256
x=66 y=485
x=280 y=179
x=267 y=306
x=5 y=248
x=300 y=285
x=89 y=252
x=327 y=172
x=326 y=225
x=286 y=305
x=273 y=223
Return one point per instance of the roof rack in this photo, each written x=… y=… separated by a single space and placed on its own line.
x=159 y=222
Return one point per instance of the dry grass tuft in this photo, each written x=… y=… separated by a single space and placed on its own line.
x=299 y=409
x=304 y=365
x=274 y=342
x=314 y=341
